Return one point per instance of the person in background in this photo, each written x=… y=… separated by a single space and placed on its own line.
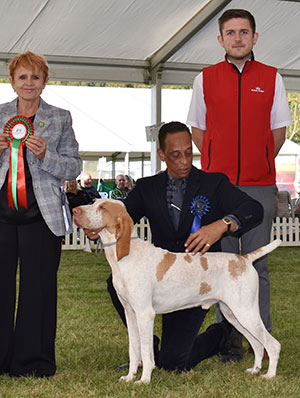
x=128 y=182
x=76 y=197
x=121 y=191
x=32 y=223
x=239 y=113
x=85 y=185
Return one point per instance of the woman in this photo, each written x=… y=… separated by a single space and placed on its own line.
x=128 y=182
x=31 y=229
x=76 y=197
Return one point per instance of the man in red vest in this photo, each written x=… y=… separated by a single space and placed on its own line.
x=239 y=113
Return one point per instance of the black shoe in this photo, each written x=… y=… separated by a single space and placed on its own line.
x=33 y=374
x=124 y=366
x=230 y=356
x=231 y=349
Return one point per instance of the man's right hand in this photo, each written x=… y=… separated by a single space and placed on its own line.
x=92 y=234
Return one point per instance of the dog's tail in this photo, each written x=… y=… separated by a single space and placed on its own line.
x=262 y=251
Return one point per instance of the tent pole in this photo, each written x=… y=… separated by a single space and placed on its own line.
x=127 y=163
x=156 y=77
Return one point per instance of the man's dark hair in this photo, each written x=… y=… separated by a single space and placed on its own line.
x=170 y=128
x=236 y=13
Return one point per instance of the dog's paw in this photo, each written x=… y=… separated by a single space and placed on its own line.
x=268 y=375
x=142 y=382
x=127 y=378
x=253 y=371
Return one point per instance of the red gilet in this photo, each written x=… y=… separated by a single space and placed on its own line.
x=238 y=140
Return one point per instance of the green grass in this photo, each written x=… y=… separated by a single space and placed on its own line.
x=92 y=342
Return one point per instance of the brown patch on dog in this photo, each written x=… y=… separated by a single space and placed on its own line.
x=204 y=263
x=237 y=267
x=163 y=266
x=110 y=213
x=246 y=256
x=188 y=258
x=204 y=288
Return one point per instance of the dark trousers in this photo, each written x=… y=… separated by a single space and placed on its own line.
x=27 y=340
x=181 y=346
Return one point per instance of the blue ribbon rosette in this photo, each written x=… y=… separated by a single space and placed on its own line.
x=199 y=207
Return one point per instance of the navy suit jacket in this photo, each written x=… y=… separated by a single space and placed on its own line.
x=148 y=199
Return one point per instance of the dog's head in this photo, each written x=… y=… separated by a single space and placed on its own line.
x=107 y=214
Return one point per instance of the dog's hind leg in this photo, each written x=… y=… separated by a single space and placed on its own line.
x=145 y=322
x=252 y=327
x=134 y=343
x=260 y=338
x=273 y=349
x=256 y=345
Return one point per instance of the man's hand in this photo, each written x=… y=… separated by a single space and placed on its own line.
x=92 y=234
x=205 y=237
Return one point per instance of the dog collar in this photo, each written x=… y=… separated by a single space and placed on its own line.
x=100 y=245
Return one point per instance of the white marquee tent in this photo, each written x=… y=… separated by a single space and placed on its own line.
x=131 y=40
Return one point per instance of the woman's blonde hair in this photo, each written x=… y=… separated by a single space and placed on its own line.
x=29 y=60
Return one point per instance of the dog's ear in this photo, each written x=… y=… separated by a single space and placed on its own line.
x=124 y=226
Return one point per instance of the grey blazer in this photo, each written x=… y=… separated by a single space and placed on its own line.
x=61 y=162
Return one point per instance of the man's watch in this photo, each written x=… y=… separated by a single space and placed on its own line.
x=228 y=222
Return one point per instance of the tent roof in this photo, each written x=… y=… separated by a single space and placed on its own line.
x=129 y=40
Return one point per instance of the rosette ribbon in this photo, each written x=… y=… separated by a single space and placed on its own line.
x=199 y=207
x=17 y=129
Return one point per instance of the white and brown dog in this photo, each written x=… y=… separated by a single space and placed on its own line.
x=150 y=281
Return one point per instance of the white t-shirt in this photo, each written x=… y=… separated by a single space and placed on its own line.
x=280 y=113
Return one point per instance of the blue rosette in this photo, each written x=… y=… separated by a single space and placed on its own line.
x=199 y=207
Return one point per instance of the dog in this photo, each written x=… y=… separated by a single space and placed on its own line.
x=150 y=280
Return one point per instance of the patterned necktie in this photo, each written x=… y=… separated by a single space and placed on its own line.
x=176 y=202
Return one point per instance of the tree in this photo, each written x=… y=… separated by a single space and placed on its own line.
x=293 y=131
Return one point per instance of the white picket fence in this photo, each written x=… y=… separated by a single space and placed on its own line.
x=286 y=229
x=77 y=240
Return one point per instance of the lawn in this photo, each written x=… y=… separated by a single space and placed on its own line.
x=92 y=342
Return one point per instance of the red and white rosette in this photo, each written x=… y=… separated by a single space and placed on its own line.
x=17 y=129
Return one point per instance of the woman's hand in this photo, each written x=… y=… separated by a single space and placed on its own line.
x=4 y=144
x=37 y=146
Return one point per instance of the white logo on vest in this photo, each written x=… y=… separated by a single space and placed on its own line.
x=257 y=90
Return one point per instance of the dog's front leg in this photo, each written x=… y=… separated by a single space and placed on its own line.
x=145 y=322
x=134 y=343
